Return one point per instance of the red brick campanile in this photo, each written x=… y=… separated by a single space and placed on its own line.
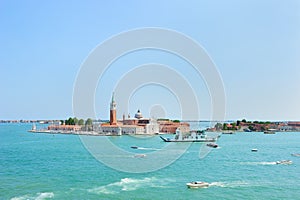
x=113 y=111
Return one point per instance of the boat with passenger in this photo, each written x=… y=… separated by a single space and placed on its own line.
x=284 y=162
x=197 y=184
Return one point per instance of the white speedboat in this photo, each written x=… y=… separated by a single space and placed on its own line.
x=296 y=154
x=284 y=162
x=139 y=156
x=197 y=184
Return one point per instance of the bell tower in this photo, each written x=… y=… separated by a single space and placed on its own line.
x=113 y=111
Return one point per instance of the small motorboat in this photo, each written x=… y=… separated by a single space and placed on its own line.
x=296 y=154
x=213 y=145
x=254 y=150
x=228 y=132
x=270 y=131
x=134 y=147
x=284 y=162
x=139 y=156
x=197 y=184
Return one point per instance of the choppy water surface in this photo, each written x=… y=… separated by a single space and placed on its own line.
x=45 y=166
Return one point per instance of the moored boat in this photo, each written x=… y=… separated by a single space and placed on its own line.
x=270 y=131
x=228 y=132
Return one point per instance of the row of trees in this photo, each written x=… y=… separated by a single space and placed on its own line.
x=254 y=122
x=75 y=121
x=253 y=126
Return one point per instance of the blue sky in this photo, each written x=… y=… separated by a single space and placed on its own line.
x=255 y=45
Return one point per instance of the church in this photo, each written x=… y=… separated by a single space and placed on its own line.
x=136 y=126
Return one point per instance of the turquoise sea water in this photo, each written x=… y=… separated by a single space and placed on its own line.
x=45 y=166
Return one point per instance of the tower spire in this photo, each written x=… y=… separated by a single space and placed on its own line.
x=113 y=97
x=113 y=111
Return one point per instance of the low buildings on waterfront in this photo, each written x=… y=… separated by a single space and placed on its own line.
x=64 y=127
x=138 y=125
x=148 y=126
x=127 y=126
x=169 y=126
x=256 y=126
x=290 y=126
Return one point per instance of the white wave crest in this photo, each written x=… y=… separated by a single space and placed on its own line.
x=37 y=196
x=129 y=184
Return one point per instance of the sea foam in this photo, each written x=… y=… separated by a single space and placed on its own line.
x=230 y=184
x=129 y=184
x=37 y=196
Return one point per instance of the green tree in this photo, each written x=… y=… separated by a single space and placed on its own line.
x=244 y=120
x=224 y=126
x=75 y=121
x=252 y=128
x=81 y=122
x=89 y=122
x=218 y=126
x=71 y=121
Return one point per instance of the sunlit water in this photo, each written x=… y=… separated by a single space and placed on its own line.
x=46 y=166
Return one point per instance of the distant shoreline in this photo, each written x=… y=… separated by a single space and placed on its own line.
x=93 y=133
x=40 y=121
x=89 y=133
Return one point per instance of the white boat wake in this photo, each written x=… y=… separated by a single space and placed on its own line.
x=130 y=184
x=232 y=184
x=149 y=149
x=258 y=163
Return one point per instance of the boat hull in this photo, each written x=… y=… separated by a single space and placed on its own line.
x=197 y=185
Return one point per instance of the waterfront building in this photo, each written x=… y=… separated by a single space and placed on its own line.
x=138 y=126
x=168 y=126
x=73 y=128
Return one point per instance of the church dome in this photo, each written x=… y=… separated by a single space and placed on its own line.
x=138 y=115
